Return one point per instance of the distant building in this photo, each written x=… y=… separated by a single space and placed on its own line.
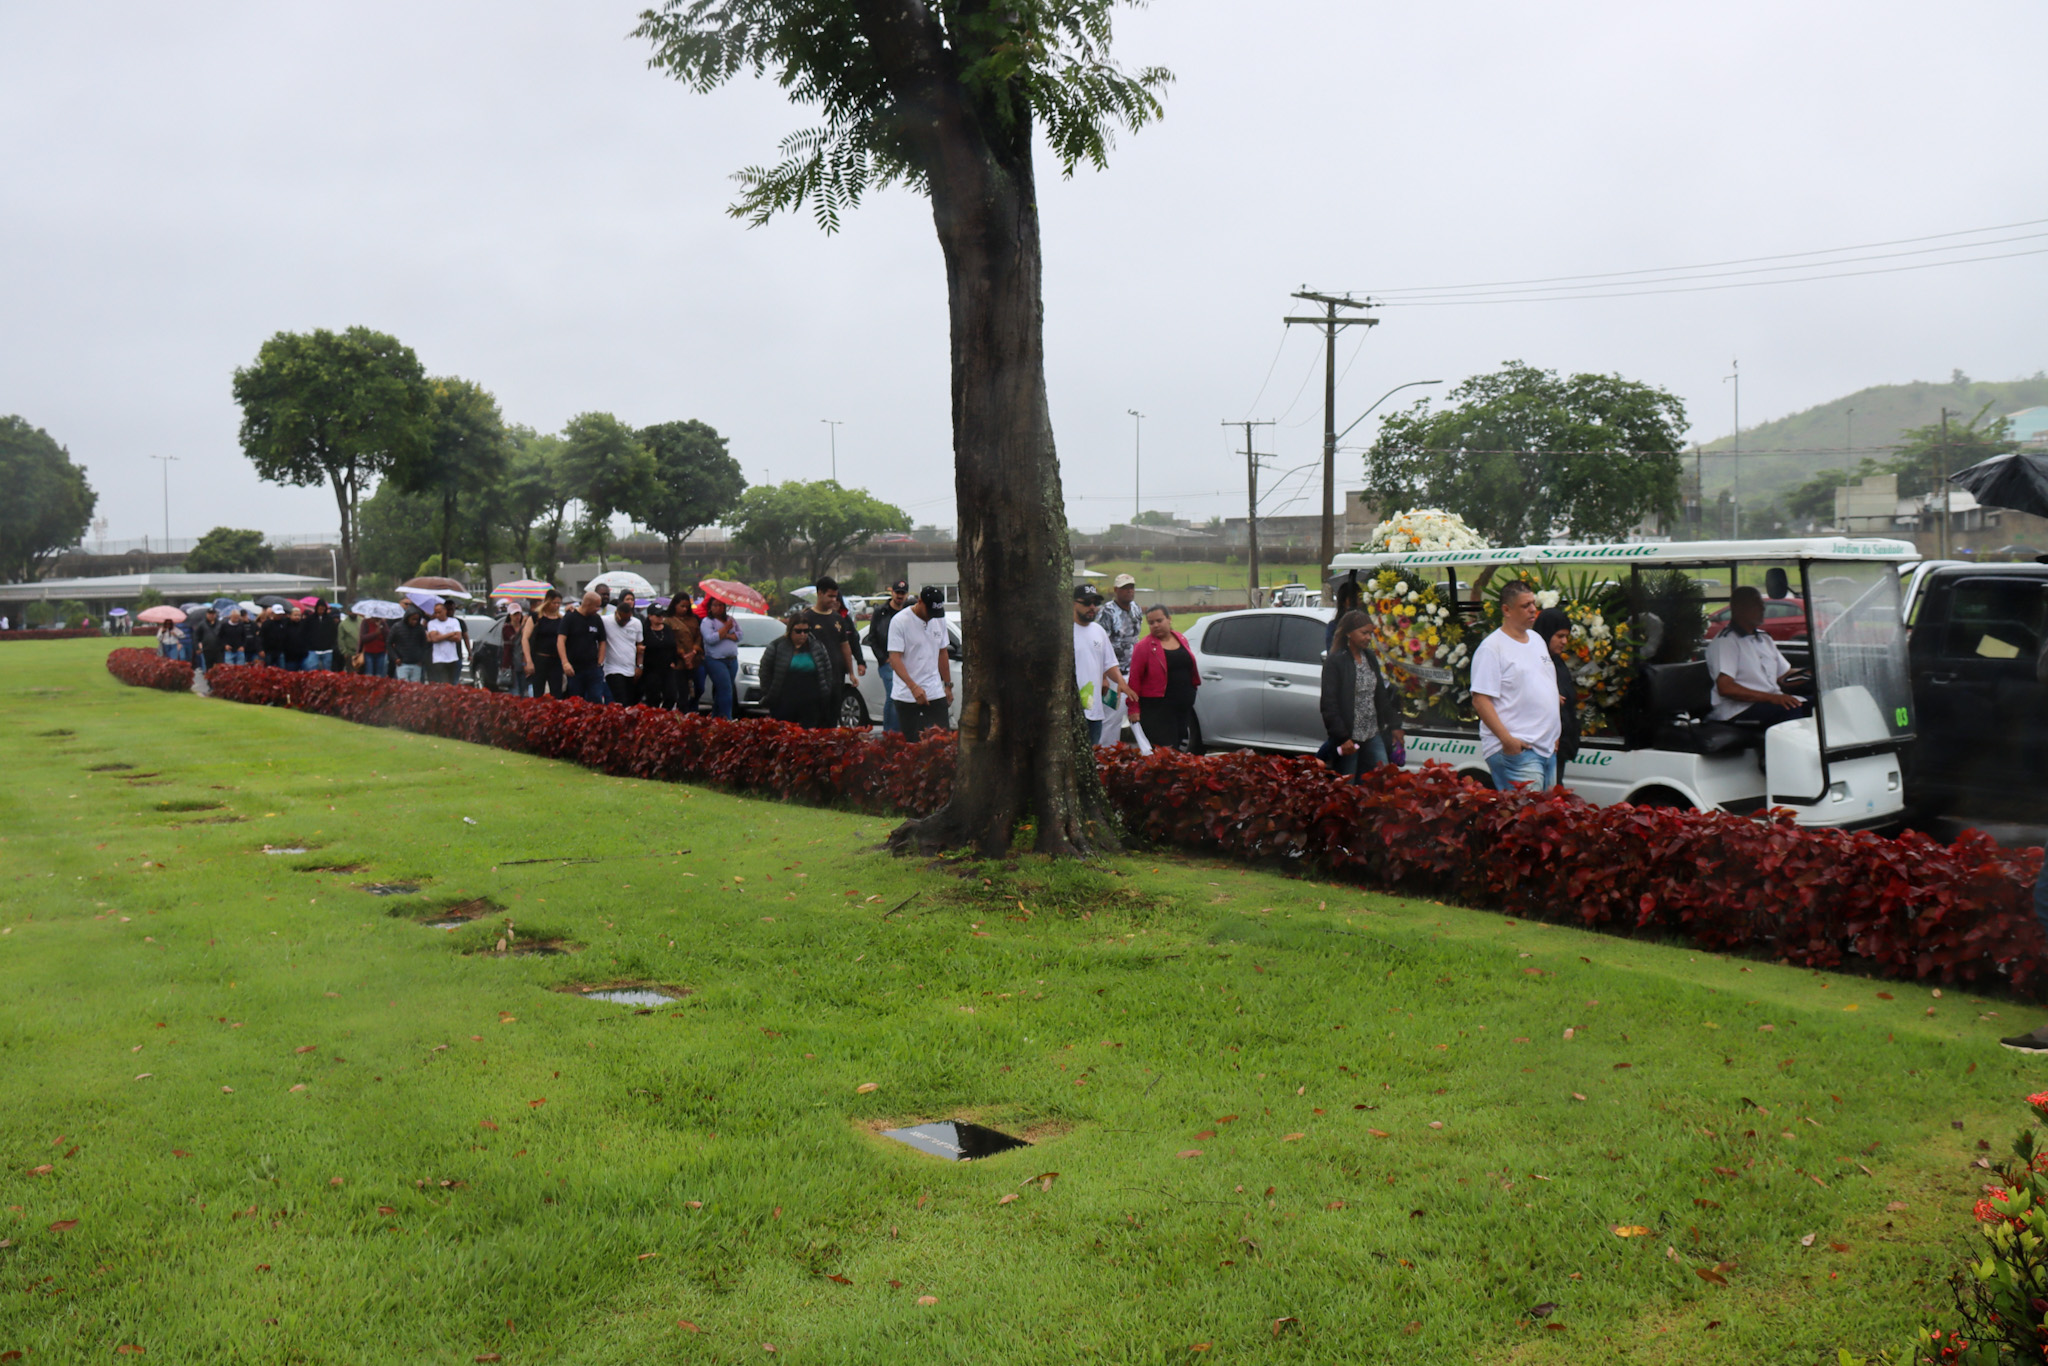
x=2030 y=426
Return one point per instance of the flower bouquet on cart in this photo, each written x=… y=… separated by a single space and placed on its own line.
x=1419 y=632
x=1425 y=529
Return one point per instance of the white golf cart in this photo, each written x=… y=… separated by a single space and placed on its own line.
x=1648 y=738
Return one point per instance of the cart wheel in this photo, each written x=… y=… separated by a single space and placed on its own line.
x=1663 y=797
x=853 y=711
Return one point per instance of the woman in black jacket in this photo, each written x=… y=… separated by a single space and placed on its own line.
x=1554 y=629
x=1361 y=711
x=797 y=677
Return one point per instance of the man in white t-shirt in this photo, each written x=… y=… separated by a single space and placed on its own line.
x=624 y=652
x=444 y=647
x=1095 y=672
x=1748 y=669
x=921 y=682
x=1514 y=690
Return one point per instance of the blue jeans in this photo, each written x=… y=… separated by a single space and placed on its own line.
x=1369 y=754
x=411 y=673
x=1535 y=770
x=294 y=664
x=888 y=707
x=586 y=683
x=236 y=657
x=723 y=675
x=1095 y=730
x=377 y=665
x=319 y=659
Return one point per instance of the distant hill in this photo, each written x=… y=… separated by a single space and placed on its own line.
x=1816 y=437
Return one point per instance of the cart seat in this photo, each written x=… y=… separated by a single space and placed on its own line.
x=1679 y=698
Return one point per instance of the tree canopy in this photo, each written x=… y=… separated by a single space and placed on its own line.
x=811 y=523
x=695 y=483
x=607 y=470
x=227 y=550
x=334 y=408
x=1522 y=455
x=533 y=499
x=464 y=456
x=45 y=502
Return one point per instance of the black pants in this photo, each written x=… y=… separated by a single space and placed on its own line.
x=624 y=688
x=547 y=675
x=1165 y=723
x=804 y=711
x=915 y=718
x=444 y=673
x=659 y=688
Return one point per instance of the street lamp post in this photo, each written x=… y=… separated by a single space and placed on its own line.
x=1137 y=450
x=166 y=460
x=833 y=425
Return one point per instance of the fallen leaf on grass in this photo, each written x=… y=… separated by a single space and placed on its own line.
x=1706 y=1204
x=1555 y=1327
x=645 y=1255
x=536 y=1104
x=1226 y=1119
x=307 y=1048
x=1895 y=1206
x=64 y=1226
x=1198 y=1347
x=1013 y=1195
x=1376 y=1133
x=1630 y=1231
x=1726 y=1171
x=1205 y=1134
x=386 y=1209
x=866 y=1087
x=688 y=1326
x=1412 y=1327
x=838 y=1279
x=488 y=1125
x=1185 y=1152
x=1807 y=1241
x=1044 y=1180
x=43 y=1170
x=1577 y=1096
x=927 y=1299
x=1838 y=1247
x=1289 y=1138
x=125 y=1349
x=487 y=1356
x=1711 y=1274
x=1279 y=1324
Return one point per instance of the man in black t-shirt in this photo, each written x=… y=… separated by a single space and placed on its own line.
x=583 y=650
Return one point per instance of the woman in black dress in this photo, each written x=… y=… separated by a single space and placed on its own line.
x=543 y=649
x=659 y=682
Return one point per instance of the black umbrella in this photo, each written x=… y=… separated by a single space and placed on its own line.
x=273 y=600
x=2017 y=481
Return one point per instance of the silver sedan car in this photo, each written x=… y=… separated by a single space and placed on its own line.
x=1262 y=679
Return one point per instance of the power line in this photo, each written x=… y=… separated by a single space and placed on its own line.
x=1285 y=333
x=1739 y=261
x=1701 y=289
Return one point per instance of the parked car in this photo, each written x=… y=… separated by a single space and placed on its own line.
x=858 y=708
x=1784 y=619
x=1262 y=679
x=1977 y=630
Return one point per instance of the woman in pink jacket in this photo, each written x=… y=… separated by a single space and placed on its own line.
x=1163 y=681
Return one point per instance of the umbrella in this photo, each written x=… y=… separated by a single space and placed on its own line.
x=117 y=611
x=223 y=604
x=735 y=595
x=251 y=608
x=273 y=600
x=188 y=608
x=623 y=581
x=378 y=608
x=2018 y=481
x=447 y=588
x=420 y=598
x=164 y=612
x=523 y=588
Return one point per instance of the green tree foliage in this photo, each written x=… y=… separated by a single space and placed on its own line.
x=533 y=499
x=146 y=599
x=608 y=472
x=696 y=482
x=397 y=532
x=464 y=457
x=1154 y=517
x=950 y=100
x=1521 y=454
x=45 y=502
x=226 y=550
x=812 y=523
x=334 y=408
x=1927 y=455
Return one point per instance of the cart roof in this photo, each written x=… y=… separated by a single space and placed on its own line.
x=1660 y=552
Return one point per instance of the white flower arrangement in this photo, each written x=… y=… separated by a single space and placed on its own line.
x=1425 y=529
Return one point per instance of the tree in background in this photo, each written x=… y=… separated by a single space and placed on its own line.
x=695 y=483
x=766 y=521
x=45 y=502
x=608 y=471
x=225 y=550
x=464 y=455
x=950 y=99
x=1928 y=455
x=1522 y=455
x=532 y=500
x=334 y=408
x=396 y=532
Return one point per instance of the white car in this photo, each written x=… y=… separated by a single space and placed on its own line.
x=1262 y=679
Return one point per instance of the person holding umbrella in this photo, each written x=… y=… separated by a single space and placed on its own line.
x=408 y=642
x=376 y=655
x=721 y=655
x=444 y=644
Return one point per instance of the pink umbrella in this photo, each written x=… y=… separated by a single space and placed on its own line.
x=735 y=595
x=157 y=615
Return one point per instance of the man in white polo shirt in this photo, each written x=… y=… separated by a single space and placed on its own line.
x=1514 y=690
x=1748 y=670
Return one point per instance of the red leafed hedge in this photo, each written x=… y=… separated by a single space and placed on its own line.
x=148 y=669
x=1908 y=907
x=69 y=633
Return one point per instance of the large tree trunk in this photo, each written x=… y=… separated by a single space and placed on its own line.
x=1023 y=750
x=344 y=503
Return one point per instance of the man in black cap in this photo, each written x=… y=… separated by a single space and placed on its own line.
x=922 y=681
x=878 y=641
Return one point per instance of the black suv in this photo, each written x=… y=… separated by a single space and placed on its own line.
x=1977 y=632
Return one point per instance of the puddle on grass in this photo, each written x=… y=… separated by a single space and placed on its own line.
x=388 y=888
x=107 y=768
x=451 y=917
x=629 y=993
x=626 y=996
x=333 y=867
x=956 y=1140
x=287 y=849
x=189 y=804
x=531 y=948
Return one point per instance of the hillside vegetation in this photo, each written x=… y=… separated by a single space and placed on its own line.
x=1816 y=437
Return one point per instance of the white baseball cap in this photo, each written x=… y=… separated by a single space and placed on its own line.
x=1124 y=581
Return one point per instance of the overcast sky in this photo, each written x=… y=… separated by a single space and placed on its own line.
x=507 y=188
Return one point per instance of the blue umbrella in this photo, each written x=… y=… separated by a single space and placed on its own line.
x=376 y=607
x=223 y=604
x=421 y=598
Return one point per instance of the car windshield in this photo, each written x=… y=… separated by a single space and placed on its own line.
x=756 y=632
x=1859 y=653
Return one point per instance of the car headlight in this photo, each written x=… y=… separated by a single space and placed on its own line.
x=749 y=670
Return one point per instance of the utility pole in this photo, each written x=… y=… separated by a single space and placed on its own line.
x=1137 y=450
x=833 y=425
x=1941 y=542
x=1849 y=432
x=166 y=460
x=1330 y=322
x=1735 y=503
x=1251 y=520
x=1699 y=493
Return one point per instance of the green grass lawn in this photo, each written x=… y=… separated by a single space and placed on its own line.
x=1290 y=1120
